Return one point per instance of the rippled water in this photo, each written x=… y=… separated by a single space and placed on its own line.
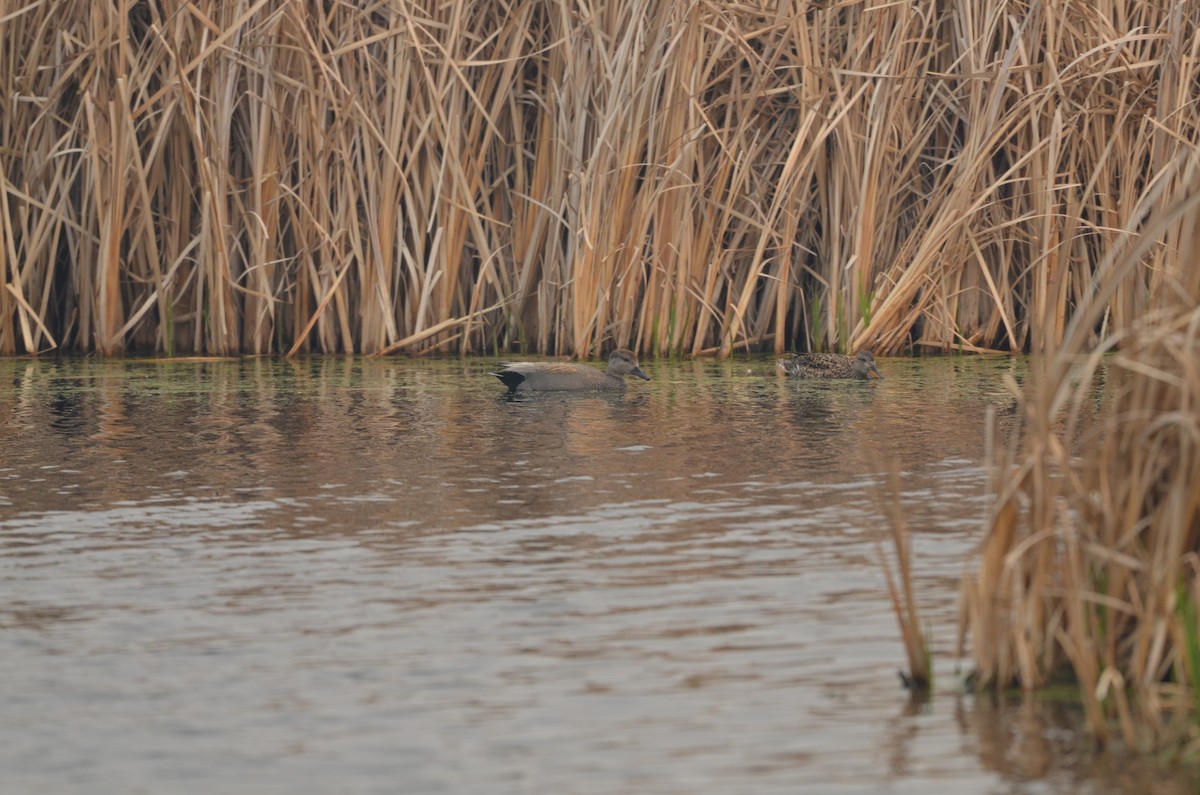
x=346 y=575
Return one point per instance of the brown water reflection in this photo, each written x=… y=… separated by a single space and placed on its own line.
x=366 y=575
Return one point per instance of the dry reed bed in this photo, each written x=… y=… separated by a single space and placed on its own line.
x=1090 y=571
x=668 y=176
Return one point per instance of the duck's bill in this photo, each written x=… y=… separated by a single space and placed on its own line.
x=875 y=370
x=640 y=373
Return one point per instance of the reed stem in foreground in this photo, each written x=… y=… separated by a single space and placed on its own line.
x=919 y=677
x=1089 y=568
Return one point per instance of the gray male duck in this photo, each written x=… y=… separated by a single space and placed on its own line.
x=830 y=365
x=563 y=376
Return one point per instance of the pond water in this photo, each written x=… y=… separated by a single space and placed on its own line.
x=382 y=575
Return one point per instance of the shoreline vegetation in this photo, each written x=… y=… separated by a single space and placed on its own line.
x=1090 y=567
x=673 y=178
x=688 y=178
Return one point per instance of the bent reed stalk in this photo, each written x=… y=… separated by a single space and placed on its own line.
x=1090 y=570
x=671 y=177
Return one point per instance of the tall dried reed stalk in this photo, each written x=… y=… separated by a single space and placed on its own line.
x=1091 y=567
x=919 y=677
x=669 y=176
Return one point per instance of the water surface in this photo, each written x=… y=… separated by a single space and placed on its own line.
x=363 y=575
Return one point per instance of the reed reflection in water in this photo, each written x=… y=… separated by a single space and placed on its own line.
x=381 y=575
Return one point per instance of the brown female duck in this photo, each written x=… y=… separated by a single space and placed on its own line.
x=559 y=376
x=830 y=365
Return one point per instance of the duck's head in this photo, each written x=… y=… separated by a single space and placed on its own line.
x=864 y=365
x=624 y=362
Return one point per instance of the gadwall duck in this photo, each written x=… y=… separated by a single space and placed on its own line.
x=830 y=365
x=559 y=376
